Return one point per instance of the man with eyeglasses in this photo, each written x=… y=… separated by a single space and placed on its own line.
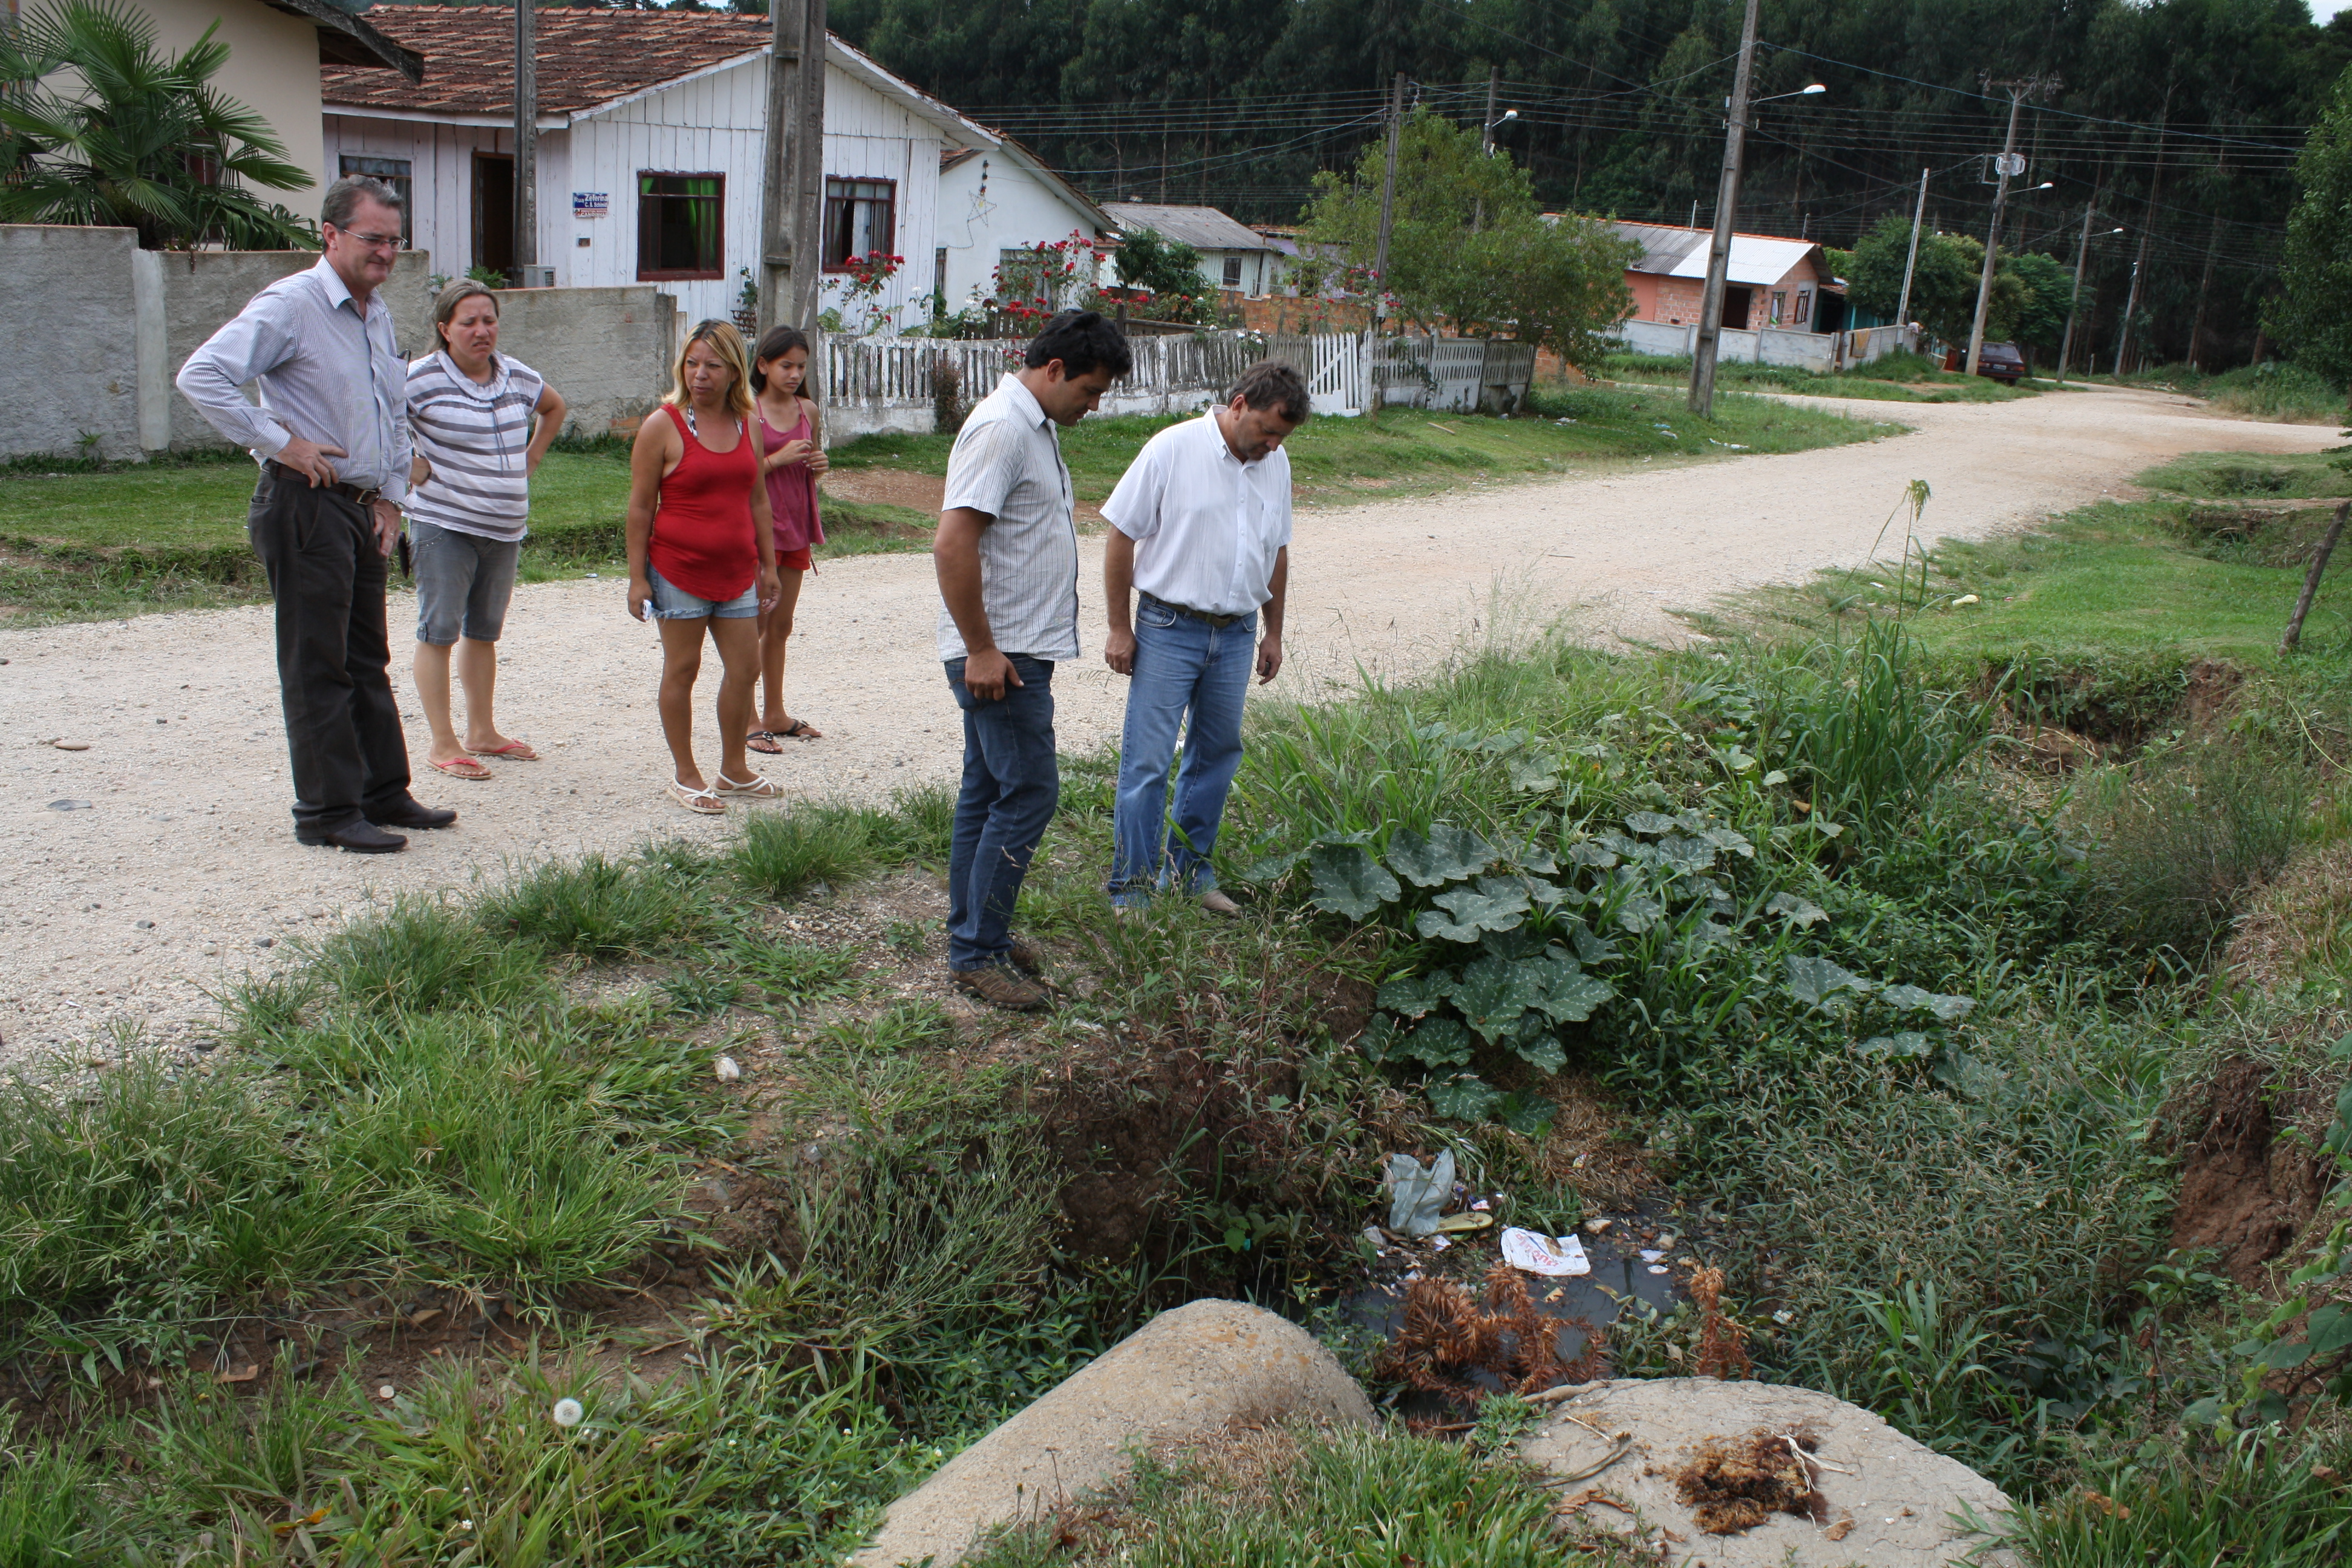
x=332 y=435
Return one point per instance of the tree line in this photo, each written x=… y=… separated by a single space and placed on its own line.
x=2180 y=119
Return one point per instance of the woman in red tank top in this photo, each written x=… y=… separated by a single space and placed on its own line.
x=702 y=556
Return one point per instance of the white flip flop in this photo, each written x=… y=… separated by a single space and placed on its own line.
x=703 y=802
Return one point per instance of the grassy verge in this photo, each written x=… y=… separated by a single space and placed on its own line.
x=2271 y=390
x=1898 y=378
x=1402 y=450
x=82 y=541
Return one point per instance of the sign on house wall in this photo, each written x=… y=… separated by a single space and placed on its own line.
x=590 y=203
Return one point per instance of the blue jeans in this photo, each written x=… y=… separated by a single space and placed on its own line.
x=1183 y=665
x=1011 y=785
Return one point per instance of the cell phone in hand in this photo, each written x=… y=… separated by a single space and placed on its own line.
x=407 y=562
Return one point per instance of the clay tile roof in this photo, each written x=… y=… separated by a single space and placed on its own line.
x=586 y=57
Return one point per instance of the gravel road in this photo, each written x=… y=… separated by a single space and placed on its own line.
x=182 y=874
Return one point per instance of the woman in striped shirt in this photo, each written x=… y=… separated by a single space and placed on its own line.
x=470 y=408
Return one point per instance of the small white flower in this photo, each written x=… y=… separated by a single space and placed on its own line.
x=568 y=1413
x=465 y=1524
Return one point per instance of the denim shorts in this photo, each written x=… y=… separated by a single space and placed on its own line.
x=672 y=603
x=463 y=583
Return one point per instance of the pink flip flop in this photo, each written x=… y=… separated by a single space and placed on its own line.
x=513 y=750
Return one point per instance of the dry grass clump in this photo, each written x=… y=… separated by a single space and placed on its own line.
x=1738 y=1485
x=1446 y=1339
x=2300 y=925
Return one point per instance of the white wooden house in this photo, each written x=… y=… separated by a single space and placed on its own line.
x=1232 y=255
x=652 y=132
x=996 y=204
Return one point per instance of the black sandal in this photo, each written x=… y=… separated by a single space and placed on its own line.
x=800 y=730
x=752 y=742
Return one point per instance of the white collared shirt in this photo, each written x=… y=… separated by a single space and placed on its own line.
x=1007 y=462
x=1206 y=525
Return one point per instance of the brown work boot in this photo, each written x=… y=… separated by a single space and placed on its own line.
x=1216 y=903
x=1024 y=958
x=1000 y=986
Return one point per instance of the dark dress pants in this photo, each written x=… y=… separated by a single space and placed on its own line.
x=342 y=728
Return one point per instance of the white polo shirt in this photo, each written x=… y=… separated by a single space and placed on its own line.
x=1206 y=525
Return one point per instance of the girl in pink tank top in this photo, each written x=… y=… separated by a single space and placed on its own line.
x=792 y=458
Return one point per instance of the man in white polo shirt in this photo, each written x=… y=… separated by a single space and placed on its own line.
x=1201 y=536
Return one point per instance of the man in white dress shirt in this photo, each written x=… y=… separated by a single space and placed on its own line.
x=1200 y=538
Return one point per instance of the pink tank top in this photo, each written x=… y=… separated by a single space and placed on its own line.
x=791 y=491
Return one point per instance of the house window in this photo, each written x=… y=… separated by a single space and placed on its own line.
x=1779 y=305
x=1233 y=271
x=1804 y=306
x=861 y=216
x=393 y=172
x=679 y=226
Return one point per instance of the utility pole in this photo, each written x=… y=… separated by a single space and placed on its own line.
x=2156 y=189
x=2074 y=301
x=1911 y=262
x=2011 y=163
x=526 y=144
x=2205 y=284
x=1486 y=137
x=808 y=216
x=1727 y=204
x=790 y=237
x=1388 y=202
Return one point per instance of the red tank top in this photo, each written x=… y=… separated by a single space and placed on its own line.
x=703 y=540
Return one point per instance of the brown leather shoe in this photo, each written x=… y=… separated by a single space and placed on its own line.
x=1000 y=986
x=1024 y=958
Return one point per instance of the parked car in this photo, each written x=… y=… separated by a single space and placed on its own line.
x=2001 y=361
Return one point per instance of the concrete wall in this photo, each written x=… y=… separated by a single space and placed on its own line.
x=272 y=70
x=115 y=323
x=204 y=288
x=606 y=351
x=1803 y=350
x=72 y=367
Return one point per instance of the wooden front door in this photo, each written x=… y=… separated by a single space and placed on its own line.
x=494 y=213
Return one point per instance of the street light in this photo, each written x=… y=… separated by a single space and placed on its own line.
x=2073 y=302
x=1727 y=208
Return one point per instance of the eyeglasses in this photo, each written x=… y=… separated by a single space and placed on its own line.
x=372 y=241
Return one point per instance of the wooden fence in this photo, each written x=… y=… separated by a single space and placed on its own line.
x=887 y=383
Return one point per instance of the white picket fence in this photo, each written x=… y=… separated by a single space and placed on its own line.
x=885 y=384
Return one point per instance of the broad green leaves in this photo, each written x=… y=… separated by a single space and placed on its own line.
x=1349 y=881
x=1497 y=903
x=1447 y=853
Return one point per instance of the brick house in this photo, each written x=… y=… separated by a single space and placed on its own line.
x=1771 y=281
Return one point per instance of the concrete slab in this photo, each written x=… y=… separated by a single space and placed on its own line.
x=1198 y=1371
x=1901 y=1495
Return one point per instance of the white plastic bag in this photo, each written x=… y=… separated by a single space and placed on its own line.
x=1543 y=1254
x=1417 y=1196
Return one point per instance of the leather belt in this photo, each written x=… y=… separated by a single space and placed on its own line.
x=363 y=499
x=1220 y=622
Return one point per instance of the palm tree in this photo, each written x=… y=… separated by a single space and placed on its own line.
x=97 y=127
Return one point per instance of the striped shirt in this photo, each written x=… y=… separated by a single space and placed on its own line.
x=1007 y=463
x=475 y=439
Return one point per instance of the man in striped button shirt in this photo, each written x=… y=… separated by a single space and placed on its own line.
x=1007 y=553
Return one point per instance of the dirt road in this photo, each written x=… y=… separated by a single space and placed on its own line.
x=181 y=872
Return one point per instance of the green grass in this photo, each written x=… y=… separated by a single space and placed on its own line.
x=79 y=543
x=2115 y=581
x=2247 y=476
x=1332 y=457
x=1898 y=378
x=1350 y=1498
x=2273 y=390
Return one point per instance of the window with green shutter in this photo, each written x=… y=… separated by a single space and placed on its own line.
x=680 y=222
